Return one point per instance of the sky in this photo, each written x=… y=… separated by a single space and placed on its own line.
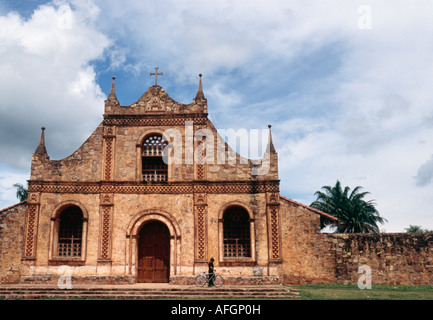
x=346 y=85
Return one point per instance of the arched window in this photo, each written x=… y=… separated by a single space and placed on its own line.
x=69 y=244
x=153 y=166
x=237 y=240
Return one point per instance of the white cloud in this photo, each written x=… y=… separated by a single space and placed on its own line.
x=47 y=79
x=210 y=36
x=425 y=173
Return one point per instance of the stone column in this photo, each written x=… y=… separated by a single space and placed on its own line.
x=32 y=222
x=200 y=228
x=274 y=234
x=105 y=228
x=109 y=152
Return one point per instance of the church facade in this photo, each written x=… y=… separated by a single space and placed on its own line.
x=152 y=195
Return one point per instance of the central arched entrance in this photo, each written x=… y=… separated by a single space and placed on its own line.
x=153 y=253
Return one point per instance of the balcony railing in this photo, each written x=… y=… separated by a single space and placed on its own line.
x=69 y=249
x=236 y=248
x=153 y=151
x=154 y=176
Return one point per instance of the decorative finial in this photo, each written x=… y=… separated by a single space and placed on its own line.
x=113 y=83
x=200 y=94
x=112 y=95
x=41 y=147
x=271 y=148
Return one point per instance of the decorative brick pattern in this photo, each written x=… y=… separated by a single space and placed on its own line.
x=108 y=158
x=200 y=167
x=33 y=198
x=201 y=236
x=106 y=199
x=200 y=221
x=105 y=232
x=274 y=233
x=142 y=122
x=209 y=187
x=30 y=243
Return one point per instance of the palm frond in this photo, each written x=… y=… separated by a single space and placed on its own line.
x=353 y=212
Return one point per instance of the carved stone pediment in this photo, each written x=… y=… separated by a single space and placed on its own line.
x=155 y=99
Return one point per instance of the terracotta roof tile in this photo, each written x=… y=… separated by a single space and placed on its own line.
x=15 y=205
x=309 y=208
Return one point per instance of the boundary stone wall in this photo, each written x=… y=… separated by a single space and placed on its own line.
x=12 y=223
x=394 y=258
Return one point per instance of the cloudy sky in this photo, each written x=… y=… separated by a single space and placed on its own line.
x=346 y=85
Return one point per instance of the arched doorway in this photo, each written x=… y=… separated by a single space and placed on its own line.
x=153 y=253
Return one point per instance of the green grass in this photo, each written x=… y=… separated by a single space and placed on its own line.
x=352 y=292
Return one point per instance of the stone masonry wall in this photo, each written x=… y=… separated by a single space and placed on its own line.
x=313 y=257
x=306 y=254
x=394 y=258
x=85 y=164
x=12 y=222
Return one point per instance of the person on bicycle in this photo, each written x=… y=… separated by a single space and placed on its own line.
x=211 y=272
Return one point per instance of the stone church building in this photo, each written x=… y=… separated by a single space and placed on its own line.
x=155 y=192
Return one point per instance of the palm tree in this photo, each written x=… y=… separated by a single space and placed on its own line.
x=355 y=215
x=21 y=192
x=416 y=229
x=413 y=229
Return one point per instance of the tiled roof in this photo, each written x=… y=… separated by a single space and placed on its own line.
x=15 y=205
x=327 y=215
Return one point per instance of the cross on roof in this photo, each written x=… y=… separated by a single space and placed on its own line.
x=156 y=74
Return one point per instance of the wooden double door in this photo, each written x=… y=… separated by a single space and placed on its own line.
x=153 y=253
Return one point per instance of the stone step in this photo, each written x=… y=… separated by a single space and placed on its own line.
x=38 y=292
x=141 y=297
x=191 y=293
x=147 y=296
x=198 y=291
x=201 y=290
x=142 y=293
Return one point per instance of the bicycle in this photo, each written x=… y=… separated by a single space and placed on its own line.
x=203 y=278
